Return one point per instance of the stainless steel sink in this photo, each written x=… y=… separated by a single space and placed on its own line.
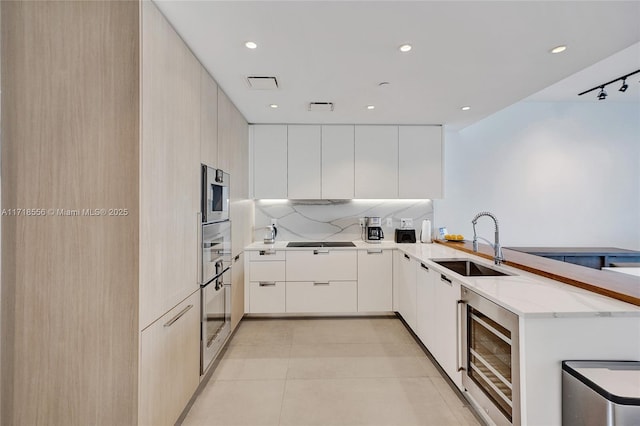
x=468 y=268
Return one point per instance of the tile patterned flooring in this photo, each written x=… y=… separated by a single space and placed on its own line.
x=351 y=371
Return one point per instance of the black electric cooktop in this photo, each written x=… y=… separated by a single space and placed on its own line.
x=321 y=244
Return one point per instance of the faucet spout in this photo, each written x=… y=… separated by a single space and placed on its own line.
x=498 y=256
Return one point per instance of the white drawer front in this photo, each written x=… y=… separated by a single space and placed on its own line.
x=266 y=297
x=266 y=271
x=266 y=255
x=332 y=296
x=322 y=265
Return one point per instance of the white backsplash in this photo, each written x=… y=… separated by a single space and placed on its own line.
x=335 y=220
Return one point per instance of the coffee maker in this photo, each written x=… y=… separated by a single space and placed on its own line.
x=373 y=230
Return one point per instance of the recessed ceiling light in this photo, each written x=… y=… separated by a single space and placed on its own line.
x=251 y=45
x=466 y=108
x=274 y=106
x=559 y=49
x=371 y=107
x=405 y=48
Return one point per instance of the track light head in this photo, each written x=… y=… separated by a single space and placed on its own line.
x=624 y=86
x=602 y=95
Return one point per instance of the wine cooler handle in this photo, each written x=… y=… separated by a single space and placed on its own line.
x=459 y=366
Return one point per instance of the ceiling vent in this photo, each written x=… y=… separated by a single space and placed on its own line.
x=321 y=106
x=262 y=83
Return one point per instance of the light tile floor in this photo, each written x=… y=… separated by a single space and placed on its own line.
x=352 y=371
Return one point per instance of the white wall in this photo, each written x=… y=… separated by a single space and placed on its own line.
x=554 y=174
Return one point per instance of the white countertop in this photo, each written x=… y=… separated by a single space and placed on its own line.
x=624 y=270
x=523 y=293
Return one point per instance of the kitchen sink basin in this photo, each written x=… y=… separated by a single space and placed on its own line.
x=469 y=268
x=321 y=244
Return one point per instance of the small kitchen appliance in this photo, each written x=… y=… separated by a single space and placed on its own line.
x=270 y=235
x=373 y=230
x=405 y=236
x=215 y=195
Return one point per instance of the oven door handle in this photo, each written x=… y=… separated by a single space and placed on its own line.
x=459 y=364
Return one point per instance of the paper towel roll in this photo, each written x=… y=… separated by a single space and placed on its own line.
x=425 y=233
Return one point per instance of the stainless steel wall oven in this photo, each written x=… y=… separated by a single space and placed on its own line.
x=215 y=291
x=215 y=195
x=490 y=357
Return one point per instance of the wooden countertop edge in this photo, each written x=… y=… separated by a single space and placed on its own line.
x=618 y=286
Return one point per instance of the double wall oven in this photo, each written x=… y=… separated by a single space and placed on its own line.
x=215 y=256
x=490 y=358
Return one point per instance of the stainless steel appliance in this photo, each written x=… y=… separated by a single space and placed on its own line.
x=598 y=393
x=215 y=291
x=490 y=357
x=215 y=195
x=373 y=230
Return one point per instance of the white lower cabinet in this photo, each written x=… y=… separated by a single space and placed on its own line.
x=405 y=288
x=170 y=363
x=375 y=280
x=267 y=297
x=425 y=304
x=446 y=345
x=322 y=265
x=319 y=297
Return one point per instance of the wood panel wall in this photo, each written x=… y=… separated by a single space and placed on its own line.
x=70 y=130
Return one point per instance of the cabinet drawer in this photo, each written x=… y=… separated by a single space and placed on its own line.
x=266 y=255
x=266 y=271
x=322 y=265
x=170 y=363
x=331 y=296
x=266 y=297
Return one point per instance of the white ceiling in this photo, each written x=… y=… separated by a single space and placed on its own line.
x=488 y=55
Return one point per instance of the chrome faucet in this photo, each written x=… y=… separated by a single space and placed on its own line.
x=498 y=258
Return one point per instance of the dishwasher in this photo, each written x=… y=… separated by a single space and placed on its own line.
x=600 y=393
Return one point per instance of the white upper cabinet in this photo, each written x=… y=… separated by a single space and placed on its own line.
x=270 y=161
x=376 y=162
x=304 y=161
x=420 y=162
x=338 y=162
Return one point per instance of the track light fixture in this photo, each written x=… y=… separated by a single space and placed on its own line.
x=602 y=95
x=624 y=86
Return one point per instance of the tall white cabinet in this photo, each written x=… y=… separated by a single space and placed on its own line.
x=270 y=161
x=376 y=162
x=338 y=149
x=303 y=169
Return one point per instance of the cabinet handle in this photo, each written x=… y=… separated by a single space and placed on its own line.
x=374 y=251
x=235 y=259
x=177 y=317
x=198 y=253
x=406 y=256
x=321 y=283
x=445 y=279
x=423 y=266
x=266 y=252
x=459 y=366
x=321 y=252
x=267 y=284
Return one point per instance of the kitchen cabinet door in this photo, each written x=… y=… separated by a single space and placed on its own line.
x=338 y=150
x=406 y=291
x=322 y=265
x=303 y=151
x=267 y=297
x=170 y=168
x=446 y=346
x=225 y=133
x=321 y=296
x=269 y=161
x=420 y=162
x=208 y=119
x=375 y=280
x=376 y=162
x=425 y=305
x=170 y=363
